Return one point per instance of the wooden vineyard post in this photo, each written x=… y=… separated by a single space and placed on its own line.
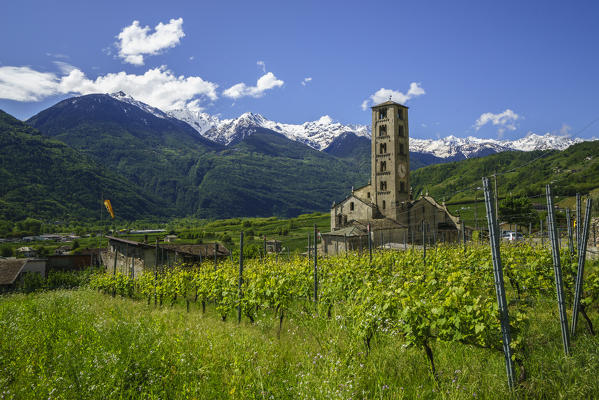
x=215 y=251
x=309 y=247
x=133 y=264
x=557 y=269
x=265 y=244
x=115 y=260
x=156 y=275
x=542 y=237
x=570 y=240
x=464 y=236
x=240 y=291
x=370 y=244
x=315 y=266
x=345 y=242
x=582 y=251
x=423 y=243
x=499 y=287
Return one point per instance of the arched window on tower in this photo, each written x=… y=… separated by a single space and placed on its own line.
x=383 y=130
x=383 y=148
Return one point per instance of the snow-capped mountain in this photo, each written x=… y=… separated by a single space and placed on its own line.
x=316 y=134
x=454 y=147
x=321 y=133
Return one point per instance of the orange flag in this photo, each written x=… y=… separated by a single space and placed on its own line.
x=109 y=207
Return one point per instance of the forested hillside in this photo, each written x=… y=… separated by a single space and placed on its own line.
x=48 y=179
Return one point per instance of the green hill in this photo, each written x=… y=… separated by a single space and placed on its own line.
x=46 y=179
x=264 y=174
x=573 y=170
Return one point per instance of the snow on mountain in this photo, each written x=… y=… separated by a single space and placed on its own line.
x=200 y=121
x=321 y=133
x=547 y=141
x=316 y=134
x=125 y=98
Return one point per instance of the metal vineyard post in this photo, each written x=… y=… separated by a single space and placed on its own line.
x=581 y=260
x=499 y=287
x=557 y=270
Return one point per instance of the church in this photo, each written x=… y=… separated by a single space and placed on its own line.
x=384 y=208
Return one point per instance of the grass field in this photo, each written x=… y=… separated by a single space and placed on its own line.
x=80 y=344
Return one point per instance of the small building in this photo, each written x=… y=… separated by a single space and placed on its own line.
x=170 y=238
x=62 y=250
x=133 y=258
x=11 y=269
x=27 y=252
x=273 y=246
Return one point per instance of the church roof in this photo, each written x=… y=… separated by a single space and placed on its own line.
x=389 y=103
x=360 y=228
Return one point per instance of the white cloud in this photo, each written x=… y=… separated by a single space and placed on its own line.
x=504 y=120
x=26 y=84
x=382 y=95
x=57 y=55
x=135 y=40
x=265 y=82
x=306 y=80
x=262 y=65
x=64 y=67
x=565 y=130
x=158 y=87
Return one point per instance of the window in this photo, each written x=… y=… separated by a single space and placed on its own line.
x=383 y=148
x=383 y=166
x=351 y=206
x=382 y=113
x=401 y=132
x=368 y=194
x=383 y=130
x=401 y=148
x=383 y=185
x=384 y=204
x=400 y=114
x=402 y=187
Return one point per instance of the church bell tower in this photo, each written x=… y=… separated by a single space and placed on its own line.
x=390 y=158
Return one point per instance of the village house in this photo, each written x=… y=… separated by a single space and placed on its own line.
x=385 y=203
x=12 y=269
x=133 y=258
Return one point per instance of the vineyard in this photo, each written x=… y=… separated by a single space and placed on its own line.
x=419 y=303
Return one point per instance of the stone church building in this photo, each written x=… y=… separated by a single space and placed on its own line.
x=386 y=203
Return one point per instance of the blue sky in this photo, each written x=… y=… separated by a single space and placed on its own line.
x=487 y=69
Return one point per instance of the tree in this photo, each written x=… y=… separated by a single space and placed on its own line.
x=517 y=210
x=5 y=227
x=30 y=225
x=6 y=251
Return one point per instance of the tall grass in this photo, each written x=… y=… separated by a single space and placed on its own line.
x=80 y=344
